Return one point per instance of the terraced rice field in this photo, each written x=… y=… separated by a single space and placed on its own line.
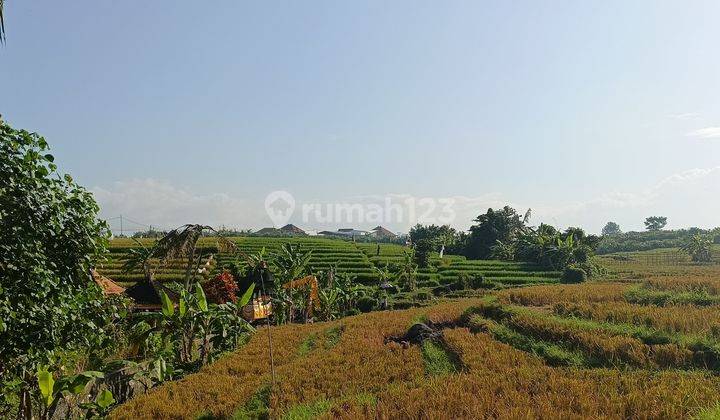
x=648 y=349
x=447 y=270
x=658 y=262
x=325 y=253
x=355 y=259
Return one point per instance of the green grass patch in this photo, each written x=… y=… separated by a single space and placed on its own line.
x=645 y=296
x=308 y=411
x=553 y=354
x=709 y=413
x=257 y=406
x=322 y=406
x=438 y=360
x=308 y=344
x=333 y=336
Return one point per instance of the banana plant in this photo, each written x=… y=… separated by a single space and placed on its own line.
x=52 y=391
x=101 y=406
x=193 y=320
x=329 y=303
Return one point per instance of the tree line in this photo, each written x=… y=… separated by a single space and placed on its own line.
x=504 y=234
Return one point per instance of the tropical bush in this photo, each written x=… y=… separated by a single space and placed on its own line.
x=699 y=247
x=49 y=239
x=573 y=274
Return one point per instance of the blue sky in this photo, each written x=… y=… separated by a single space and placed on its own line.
x=179 y=111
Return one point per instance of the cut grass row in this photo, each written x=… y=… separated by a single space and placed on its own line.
x=612 y=344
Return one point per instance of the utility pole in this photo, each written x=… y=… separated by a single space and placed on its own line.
x=121 y=226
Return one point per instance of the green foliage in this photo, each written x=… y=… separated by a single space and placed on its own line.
x=423 y=248
x=554 y=354
x=709 y=413
x=495 y=225
x=469 y=281
x=193 y=334
x=49 y=238
x=245 y=299
x=407 y=274
x=292 y=262
x=308 y=411
x=573 y=274
x=105 y=399
x=437 y=235
x=367 y=304
x=46 y=383
x=52 y=391
x=438 y=360
x=655 y=223
x=611 y=228
x=699 y=247
x=258 y=407
x=549 y=248
x=645 y=241
x=503 y=251
x=647 y=296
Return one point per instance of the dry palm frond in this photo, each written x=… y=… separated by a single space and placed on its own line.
x=2 y=22
x=179 y=243
x=226 y=245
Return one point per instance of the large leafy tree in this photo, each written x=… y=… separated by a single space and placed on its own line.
x=49 y=237
x=492 y=227
x=440 y=235
x=655 y=223
x=611 y=228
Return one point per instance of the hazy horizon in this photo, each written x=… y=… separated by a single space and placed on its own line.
x=173 y=112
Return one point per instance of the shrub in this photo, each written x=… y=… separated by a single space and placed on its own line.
x=423 y=295
x=366 y=304
x=423 y=248
x=477 y=281
x=573 y=274
x=352 y=311
x=429 y=283
x=468 y=281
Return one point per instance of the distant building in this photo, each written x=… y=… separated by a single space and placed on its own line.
x=268 y=231
x=345 y=233
x=382 y=233
x=292 y=230
x=287 y=230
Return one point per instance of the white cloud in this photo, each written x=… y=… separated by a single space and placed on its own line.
x=163 y=205
x=705 y=133
x=688 y=198
x=685 y=116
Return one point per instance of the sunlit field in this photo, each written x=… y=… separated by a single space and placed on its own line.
x=625 y=347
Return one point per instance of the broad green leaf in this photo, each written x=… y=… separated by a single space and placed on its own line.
x=182 y=306
x=168 y=309
x=78 y=383
x=246 y=296
x=160 y=368
x=46 y=383
x=201 y=299
x=105 y=399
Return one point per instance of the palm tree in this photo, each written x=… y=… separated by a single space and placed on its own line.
x=180 y=243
